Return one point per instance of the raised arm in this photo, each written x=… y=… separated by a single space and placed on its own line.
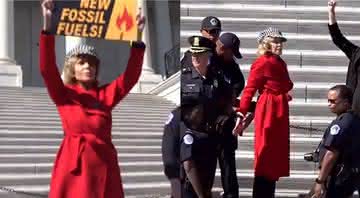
x=337 y=37
x=47 y=63
x=122 y=85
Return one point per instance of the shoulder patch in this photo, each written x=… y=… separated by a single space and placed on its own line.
x=170 y=117
x=188 y=139
x=334 y=130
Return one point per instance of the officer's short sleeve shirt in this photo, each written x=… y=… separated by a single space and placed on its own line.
x=339 y=133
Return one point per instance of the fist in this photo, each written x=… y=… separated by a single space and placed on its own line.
x=140 y=20
x=47 y=7
x=331 y=5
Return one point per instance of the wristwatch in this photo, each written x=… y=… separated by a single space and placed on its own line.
x=318 y=181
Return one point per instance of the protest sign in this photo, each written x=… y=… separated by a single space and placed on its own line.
x=106 y=19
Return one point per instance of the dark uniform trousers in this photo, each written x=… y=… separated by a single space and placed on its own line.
x=226 y=153
x=342 y=184
x=202 y=151
x=227 y=161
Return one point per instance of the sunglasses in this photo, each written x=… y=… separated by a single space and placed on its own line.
x=334 y=101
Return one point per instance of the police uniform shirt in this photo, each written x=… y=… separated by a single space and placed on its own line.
x=173 y=119
x=212 y=87
x=197 y=88
x=186 y=59
x=338 y=132
x=233 y=75
x=342 y=135
x=171 y=145
x=196 y=91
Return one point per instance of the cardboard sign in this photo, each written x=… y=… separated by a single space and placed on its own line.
x=107 y=19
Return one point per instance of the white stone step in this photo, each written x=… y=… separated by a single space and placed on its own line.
x=225 y=20
x=265 y=7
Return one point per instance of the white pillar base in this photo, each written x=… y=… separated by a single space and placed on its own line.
x=10 y=75
x=147 y=81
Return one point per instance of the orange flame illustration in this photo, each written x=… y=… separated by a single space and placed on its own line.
x=125 y=18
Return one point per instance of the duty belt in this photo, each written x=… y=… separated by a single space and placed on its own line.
x=206 y=128
x=197 y=133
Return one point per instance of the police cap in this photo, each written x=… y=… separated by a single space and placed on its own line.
x=200 y=44
x=210 y=23
x=231 y=41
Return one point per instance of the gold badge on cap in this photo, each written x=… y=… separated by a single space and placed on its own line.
x=196 y=41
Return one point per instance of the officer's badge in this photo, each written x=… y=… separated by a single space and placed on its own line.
x=196 y=41
x=188 y=139
x=170 y=117
x=216 y=83
x=334 y=130
x=213 y=21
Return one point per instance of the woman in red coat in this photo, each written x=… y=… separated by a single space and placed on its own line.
x=86 y=165
x=269 y=76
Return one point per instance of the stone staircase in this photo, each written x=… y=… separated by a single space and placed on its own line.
x=314 y=63
x=30 y=134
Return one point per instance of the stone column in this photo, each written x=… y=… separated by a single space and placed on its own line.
x=163 y=32
x=146 y=38
x=10 y=73
x=148 y=78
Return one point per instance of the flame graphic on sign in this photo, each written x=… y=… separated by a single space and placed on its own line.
x=125 y=18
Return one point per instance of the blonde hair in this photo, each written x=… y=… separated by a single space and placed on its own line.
x=68 y=73
x=264 y=46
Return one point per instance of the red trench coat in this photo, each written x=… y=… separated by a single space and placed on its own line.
x=269 y=75
x=86 y=165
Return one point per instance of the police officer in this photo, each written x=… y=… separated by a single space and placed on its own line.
x=339 y=149
x=171 y=152
x=211 y=29
x=203 y=89
x=227 y=47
